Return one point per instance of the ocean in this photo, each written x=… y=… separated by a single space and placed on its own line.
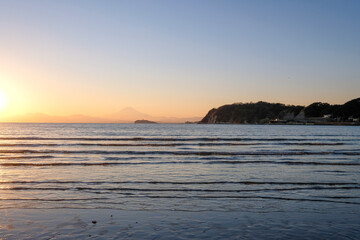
x=179 y=181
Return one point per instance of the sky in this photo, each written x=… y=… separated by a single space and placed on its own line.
x=175 y=58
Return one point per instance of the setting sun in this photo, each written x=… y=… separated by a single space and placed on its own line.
x=2 y=100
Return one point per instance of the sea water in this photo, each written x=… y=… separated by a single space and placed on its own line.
x=169 y=181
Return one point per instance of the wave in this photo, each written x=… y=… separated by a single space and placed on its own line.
x=167 y=139
x=51 y=199
x=27 y=157
x=53 y=164
x=30 y=145
x=183 y=153
x=180 y=197
x=176 y=189
x=88 y=163
x=288 y=163
x=127 y=144
x=183 y=183
x=254 y=197
x=315 y=144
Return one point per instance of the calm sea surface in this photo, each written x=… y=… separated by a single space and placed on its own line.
x=301 y=172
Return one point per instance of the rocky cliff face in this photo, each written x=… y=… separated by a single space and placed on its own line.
x=210 y=117
x=294 y=113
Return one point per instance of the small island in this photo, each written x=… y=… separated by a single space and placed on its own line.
x=144 y=122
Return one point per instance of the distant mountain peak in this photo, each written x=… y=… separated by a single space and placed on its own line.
x=130 y=110
x=128 y=114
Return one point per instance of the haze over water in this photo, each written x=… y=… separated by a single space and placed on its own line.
x=216 y=181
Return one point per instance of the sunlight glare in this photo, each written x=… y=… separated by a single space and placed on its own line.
x=2 y=100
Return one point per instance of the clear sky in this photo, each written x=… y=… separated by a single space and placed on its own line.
x=175 y=58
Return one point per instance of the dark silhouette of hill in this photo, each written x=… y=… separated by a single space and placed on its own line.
x=349 y=109
x=260 y=112
x=263 y=112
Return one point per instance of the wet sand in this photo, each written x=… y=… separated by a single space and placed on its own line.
x=120 y=224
